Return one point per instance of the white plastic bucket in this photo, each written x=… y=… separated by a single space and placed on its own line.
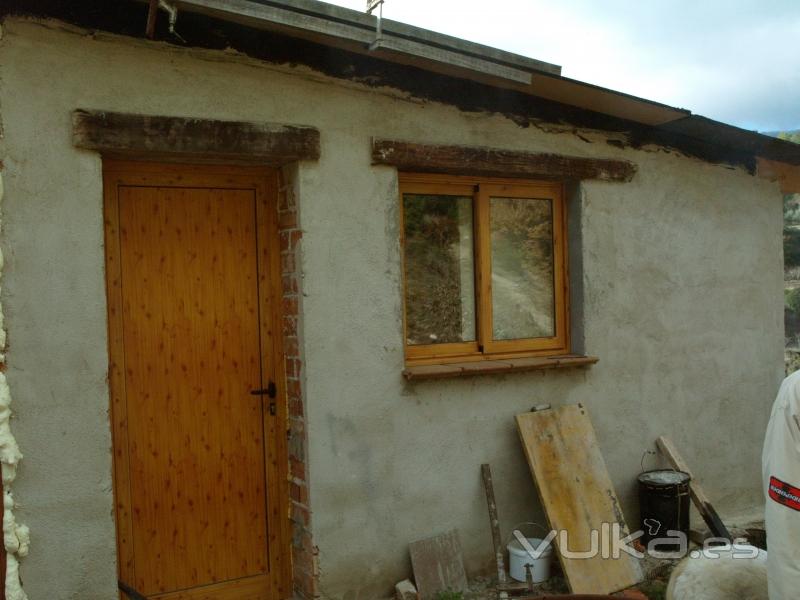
x=519 y=557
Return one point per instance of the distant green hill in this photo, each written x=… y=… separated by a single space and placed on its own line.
x=792 y=136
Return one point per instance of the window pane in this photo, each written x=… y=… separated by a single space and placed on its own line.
x=523 y=302
x=440 y=270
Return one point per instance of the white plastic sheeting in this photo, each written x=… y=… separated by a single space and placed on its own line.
x=781 y=474
x=16 y=538
x=733 y=573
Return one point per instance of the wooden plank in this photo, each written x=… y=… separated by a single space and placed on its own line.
x=438 y=565
x=156 y=137
x=495 y=162
x=577 y=495
x=697 y=493
x=494 y=522
x=487 y=366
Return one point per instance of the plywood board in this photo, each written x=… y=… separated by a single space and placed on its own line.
x=438 y=565
x=577 y=496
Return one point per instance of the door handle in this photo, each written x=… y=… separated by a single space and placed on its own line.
x=271 y=390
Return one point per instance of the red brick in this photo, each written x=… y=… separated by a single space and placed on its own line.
x=297 y=447
x=293 y=367
x=290 y=346
x=297 y=427
x=289 y=284
x=297 y=468
x=289 y=326
x=305 y=586
x=293 y=388
x=287 y=219
x=301 y=516
x=289 y=239
x=289 y=305
x=287 y=262
x=298 y=492
x=307 y=580
x=304 y=567
x=296 y=407
x=307 y=542
x=302 y=561
x=286 y=199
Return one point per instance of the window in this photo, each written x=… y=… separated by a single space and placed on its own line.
x=485 y=268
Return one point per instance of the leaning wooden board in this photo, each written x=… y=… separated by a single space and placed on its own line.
x=438 y=565
x=577 y=495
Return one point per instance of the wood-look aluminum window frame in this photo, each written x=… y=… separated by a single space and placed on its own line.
x=481 y=190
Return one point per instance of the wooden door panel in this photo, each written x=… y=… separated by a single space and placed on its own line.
x=250 y=588
x=196 y=449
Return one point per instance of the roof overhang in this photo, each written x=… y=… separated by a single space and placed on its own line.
x=357 y=32
x=322 y=36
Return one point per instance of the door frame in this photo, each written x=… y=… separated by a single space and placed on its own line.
x=265 y=182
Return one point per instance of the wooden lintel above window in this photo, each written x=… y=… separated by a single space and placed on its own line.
x=496 y=367
x=199 y=140
x=495 y=162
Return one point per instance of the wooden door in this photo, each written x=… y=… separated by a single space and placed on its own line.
x=196 y=381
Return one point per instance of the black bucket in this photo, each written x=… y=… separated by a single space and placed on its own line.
x=664 y=506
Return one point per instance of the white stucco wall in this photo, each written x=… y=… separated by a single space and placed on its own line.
x=682 y=301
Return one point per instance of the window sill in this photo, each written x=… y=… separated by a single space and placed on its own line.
x=494 y=367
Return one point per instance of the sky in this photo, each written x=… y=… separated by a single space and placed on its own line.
x=736 y=61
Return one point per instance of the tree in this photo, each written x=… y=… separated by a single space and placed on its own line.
x=790 y=136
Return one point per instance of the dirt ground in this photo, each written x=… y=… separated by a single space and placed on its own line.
x=656 y=572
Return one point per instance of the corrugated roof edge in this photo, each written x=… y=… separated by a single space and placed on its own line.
x=683 y=123
x=412 y=33
x=646 y=122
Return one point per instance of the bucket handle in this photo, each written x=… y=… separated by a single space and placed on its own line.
x=516 y=527
x=645 y=455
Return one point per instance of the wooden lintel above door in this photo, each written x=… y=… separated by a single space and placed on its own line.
x=181 y=139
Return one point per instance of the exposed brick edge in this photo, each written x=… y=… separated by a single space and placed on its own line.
x=304 y=554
